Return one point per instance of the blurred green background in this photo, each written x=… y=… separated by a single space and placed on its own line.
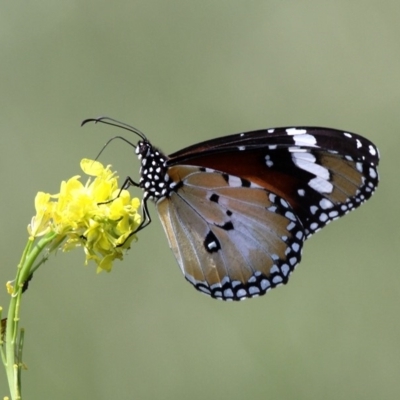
x=183 y=72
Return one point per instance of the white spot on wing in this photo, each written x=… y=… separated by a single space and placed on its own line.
x=306 y=161
x=320 y=185
x=305 y=140
x=265 y=284
x=274 y=269
x=290 y=226
x=234 y=181
x=215 y=286
x=268 y=161
x=359 y=144
x=372 y=150
x=211 y=245
x=224 y=280
x=295 y=131
x=305 y=156
x=286 y=269
x=323 y=217
x=284 y=203
x=295 y=247
x=204 y=290
x=313 y=209
x=272 y=197
x=290 y=215
x=325 y=204
x=228 y=293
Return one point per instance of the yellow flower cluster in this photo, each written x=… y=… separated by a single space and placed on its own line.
x=95 y=216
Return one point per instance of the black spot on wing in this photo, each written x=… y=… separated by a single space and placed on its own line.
x=228 y=226
x=211 y=243
x=245 y=183
x=214 y=197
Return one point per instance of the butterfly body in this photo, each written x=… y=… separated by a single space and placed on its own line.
x=237 y=209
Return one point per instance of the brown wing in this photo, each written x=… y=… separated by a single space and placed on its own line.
x=232 y=239
x=323 y=173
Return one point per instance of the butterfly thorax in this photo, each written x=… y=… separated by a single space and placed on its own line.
x=154 y=178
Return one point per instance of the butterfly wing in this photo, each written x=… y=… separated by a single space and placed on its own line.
x=232 y=238
x=323 y=173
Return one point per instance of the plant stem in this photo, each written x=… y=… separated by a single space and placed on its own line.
x=13 y=354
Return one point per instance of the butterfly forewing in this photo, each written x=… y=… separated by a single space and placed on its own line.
x=323 y=173
x=327 y=139
x=232 y=239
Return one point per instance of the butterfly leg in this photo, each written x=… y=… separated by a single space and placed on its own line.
x=145 y=212
x=146 y=217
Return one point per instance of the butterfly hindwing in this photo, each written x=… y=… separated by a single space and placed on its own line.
x=232 y=238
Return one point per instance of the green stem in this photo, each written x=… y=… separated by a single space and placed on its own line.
x=13 y=346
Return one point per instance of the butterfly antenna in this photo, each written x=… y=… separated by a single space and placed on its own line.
x=118 y=124
x=109 y=141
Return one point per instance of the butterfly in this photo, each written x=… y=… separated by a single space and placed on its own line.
x=237 y=209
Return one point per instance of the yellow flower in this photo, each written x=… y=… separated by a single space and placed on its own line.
x=39 y=225
x=96 y=216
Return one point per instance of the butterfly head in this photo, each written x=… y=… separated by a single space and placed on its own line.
x=154 y=178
